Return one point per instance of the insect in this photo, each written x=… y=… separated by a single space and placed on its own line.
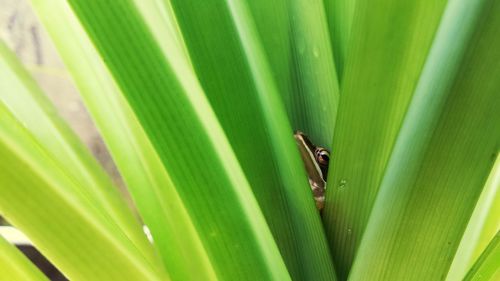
x=316 y=160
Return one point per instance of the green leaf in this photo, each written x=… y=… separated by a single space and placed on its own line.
x=272 y=23
x=197 y=102
x=32 y=108
x=160 y=19
x=388 y=46
x=492 y=221
x=295 y=39
x=182 y=128
x=315 y=92
x=15 y=265
x=150 y=185
x=231 y=64
x=444 y=152
x=486 y=268
x=340 y=15
x=61 y=222
x=481 y=228
x=31 y=164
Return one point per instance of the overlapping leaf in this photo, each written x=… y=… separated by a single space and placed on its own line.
x=16 y=266
x=162 y=210
x=486 y=268
x=171 y=108
x=416 y=137
x=444 y=152
x=481 y=228
x=60 y=211
x=389 y=44
x=340 y=15
x=231 y=64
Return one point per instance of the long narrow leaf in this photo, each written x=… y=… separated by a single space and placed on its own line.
x=15 y=265
x=315 y=92
x=160 y=18
x=33 y=109
x=389 y=45
x=340 y=15
x=446 y=148
x=151 y=187
x=233 y=69
x=481 y=228
x=295 y=38
x=272 y=21
x=65 y=226
x=486 y=268
x=183 y=130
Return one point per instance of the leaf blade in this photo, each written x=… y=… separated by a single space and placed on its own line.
x=228 y=58
x=486 y=267
x=167 y=82
x=482 y=227
x=15 y=265
x=150 y=184
x=378 y=83
x=445 y=145
x=32 y=108
x=27 y=167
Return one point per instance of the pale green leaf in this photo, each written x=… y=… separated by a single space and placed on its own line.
x=481 y=228
x=40 y=198
x=15 y=265
x=32 y=108
x=487 y=267
x=171 y=107
x=151 y=187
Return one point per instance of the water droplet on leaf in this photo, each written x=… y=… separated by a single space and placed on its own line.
x=342 y=184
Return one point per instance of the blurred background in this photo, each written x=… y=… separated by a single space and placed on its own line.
x=21 y=30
